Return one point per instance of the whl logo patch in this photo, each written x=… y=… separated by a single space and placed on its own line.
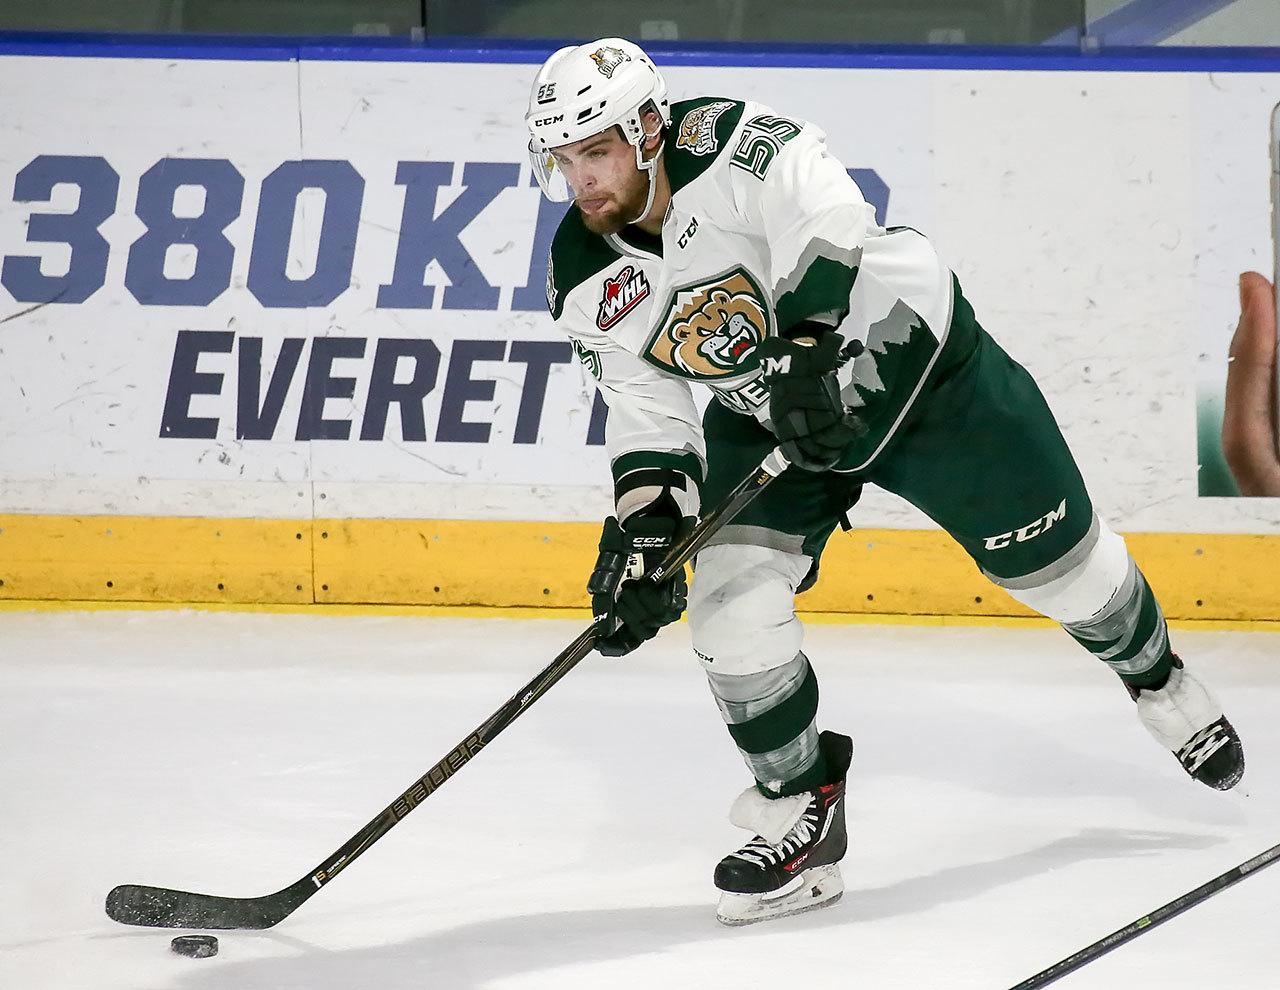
x=622 y=293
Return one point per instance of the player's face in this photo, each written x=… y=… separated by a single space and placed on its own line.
x=607 y=186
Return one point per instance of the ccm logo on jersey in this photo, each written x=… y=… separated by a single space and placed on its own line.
x=687 y=236
x=1028 y=532
x=622 y=293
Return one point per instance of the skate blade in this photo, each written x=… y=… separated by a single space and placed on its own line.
x=811 y=890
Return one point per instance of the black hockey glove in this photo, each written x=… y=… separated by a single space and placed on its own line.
x=635 y=610
x=805 y=408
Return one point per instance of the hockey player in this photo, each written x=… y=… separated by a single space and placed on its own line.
x=714 y=241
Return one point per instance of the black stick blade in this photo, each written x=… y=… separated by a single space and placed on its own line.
x=160 y=907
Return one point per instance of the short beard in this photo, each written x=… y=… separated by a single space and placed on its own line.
x=611 y=221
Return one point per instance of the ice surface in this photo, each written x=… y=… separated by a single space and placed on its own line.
x=1006 y=809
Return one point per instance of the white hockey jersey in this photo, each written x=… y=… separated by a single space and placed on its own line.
x=765 y=230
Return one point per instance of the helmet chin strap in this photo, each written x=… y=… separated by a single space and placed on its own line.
x=651 y=167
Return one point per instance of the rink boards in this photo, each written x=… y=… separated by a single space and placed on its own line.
x=524 y=564
x=274 y=327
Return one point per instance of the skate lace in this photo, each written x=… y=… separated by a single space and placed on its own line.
x=1203 y=745
x=761 y=852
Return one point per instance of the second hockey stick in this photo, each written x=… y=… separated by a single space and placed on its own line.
x=1148 y=921
x=162 y=907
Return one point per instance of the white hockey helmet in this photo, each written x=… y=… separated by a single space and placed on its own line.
x=584 y=90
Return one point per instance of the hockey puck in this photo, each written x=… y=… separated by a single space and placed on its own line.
x=195 y=946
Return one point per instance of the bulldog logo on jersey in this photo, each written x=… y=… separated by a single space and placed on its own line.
x=698 y=129
x=622 y=293
x=609 y=58
x=712 y=328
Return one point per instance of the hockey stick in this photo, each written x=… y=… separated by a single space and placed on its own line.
x=1149 y=921
x=161 y=907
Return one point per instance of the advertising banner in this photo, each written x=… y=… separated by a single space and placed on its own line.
x=316 y=288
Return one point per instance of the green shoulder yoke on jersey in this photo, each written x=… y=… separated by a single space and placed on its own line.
x=700 y=131
x=576 y=255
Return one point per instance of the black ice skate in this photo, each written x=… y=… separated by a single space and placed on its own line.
x=1185 y=718
x=791 y=864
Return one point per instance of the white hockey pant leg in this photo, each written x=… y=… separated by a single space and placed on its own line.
x=1102 y=600
x=747 y=638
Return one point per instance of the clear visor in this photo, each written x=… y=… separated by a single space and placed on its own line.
x=550 y=177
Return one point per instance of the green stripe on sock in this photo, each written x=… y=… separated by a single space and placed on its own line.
x=781 y=724
x=1140 y=634
x=1143 y=628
